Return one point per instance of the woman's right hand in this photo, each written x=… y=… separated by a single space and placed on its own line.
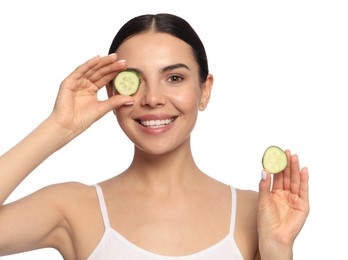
x=77 y=106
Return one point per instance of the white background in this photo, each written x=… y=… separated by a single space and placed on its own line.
x=280 y=67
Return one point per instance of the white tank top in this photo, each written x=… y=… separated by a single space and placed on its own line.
x=114 y=246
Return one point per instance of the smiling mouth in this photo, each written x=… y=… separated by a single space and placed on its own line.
x=156 y=123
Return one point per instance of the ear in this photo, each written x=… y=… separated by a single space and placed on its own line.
x=206 y=92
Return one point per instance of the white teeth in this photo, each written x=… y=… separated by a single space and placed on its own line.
x=156 y=123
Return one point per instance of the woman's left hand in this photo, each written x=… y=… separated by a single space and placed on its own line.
x=284 y=207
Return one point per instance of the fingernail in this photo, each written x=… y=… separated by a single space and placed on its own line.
x=95 y=57
x=129 y=103
x=264 y=175
x=121 y=60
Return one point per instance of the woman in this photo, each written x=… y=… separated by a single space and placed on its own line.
x=162 y=206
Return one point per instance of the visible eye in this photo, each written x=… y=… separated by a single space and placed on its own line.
x=175 y=79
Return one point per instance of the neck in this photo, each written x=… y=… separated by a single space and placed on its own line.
x=164 y=173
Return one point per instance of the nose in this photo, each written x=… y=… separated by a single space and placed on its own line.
x=152 y=96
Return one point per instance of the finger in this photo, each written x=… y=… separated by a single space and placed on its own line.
x=265 y=186
x=105 y=80
x=295 y=174
x=287 y=173
x=113 y=103
x=106 y=73
x=278 y=179
x=304 y=184
x=103 y=61
x=81 y=70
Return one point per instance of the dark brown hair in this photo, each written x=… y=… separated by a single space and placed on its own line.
x=165 y=23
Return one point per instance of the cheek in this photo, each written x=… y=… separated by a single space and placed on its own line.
x=122 y=114
x=186 y=100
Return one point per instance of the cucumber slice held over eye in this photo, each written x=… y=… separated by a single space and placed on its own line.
x=274 y=159
x=127 y=82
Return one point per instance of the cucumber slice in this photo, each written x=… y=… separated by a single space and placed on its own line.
x=127 y=82
x=274 y=159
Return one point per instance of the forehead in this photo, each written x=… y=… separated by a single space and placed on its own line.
x=156 y=46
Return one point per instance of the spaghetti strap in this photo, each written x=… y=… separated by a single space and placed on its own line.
x=113 y=245
x=102 y=206
x=233 y=209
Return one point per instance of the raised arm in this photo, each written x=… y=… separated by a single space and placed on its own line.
x=76 y=108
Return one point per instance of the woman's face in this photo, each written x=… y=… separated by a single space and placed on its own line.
x=170 y=94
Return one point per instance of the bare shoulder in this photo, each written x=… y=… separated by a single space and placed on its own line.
x=71 y=187
x=246 y=222
x=63 y=198
x=79 y=207
x=53 y=195
x=68 y=194
x=62 y=191
x=68 y=186
x=247 y=198
x=44 y=218
x=247 y=201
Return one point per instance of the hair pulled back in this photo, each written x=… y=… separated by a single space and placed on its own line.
x=165 y=23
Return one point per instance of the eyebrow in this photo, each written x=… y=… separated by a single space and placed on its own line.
x=175 y=66
x=135 y=70
x=165 y=69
